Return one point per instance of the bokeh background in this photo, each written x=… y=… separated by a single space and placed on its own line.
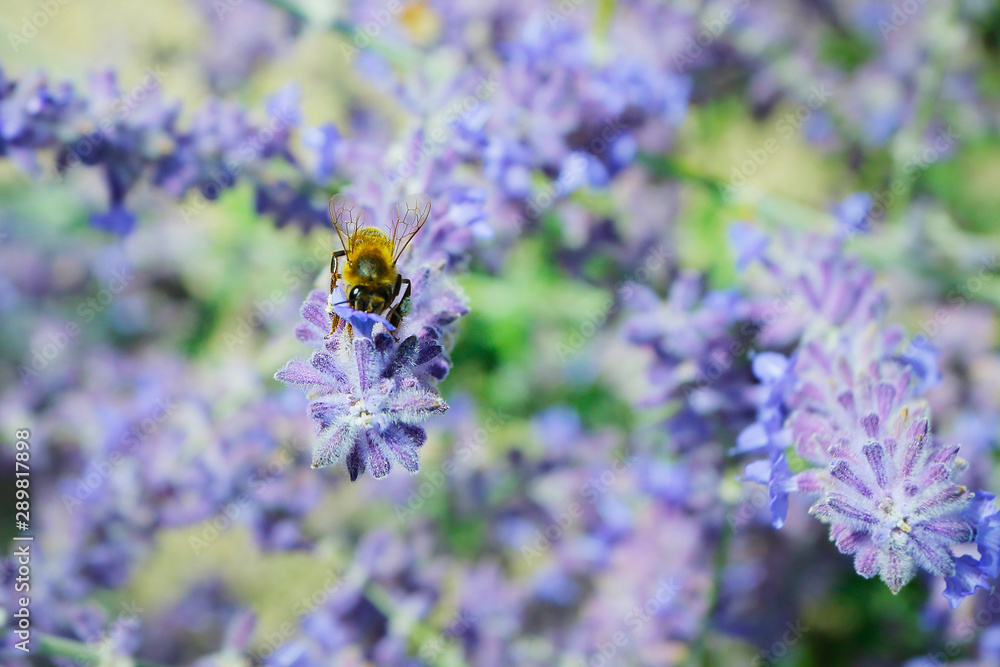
x=574 y=506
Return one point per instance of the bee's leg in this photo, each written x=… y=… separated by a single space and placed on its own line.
x=401 y=308
x=334 y=275
x=333 y=326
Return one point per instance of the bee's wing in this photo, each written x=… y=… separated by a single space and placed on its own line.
x=348 y=216
x=405 y=220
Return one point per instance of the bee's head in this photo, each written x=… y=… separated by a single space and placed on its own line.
x=367 y=300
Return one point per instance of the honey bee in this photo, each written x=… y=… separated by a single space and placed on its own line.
x=372 y=281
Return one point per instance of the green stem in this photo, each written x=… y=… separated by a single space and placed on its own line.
x=664 y=166
x=399 y=55
x=929 y=88
x=699 y=651
x=602 y=18
x=420 y=633
x=769 y=204
x=60 y=647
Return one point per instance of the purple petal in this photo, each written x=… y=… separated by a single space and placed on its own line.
x=885 y=395
x=416 y=404
x=332 y=444
x=876 y=460
x=982 y=512
x=404 y=358
x=752 y=438
x=117 y=220
x=870 y=424
x=299 y=373
x=748 y=243
x=362 y=322
x=841 y=470
x=769 y=367
x=329 y=409
x=935 y=558
x=316 y=315
x=955 y=532
x=355 y=462
x=896 y=568
x=306 y=333
x=326 y=364
x=840 y=505
x=866 y=560
x=967 y=578
x=402 y=441
x=916 y=436
x=378 y=464
x=849 y=541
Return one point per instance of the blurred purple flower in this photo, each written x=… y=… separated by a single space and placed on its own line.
x=695 y=339
x=132 y=136
x=813 y=285
x=117 y=220
x=852 y=214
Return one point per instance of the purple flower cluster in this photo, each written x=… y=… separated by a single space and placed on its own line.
x=547 y=518
x=131 y=137
x=698 y=341
x=366 y=396
x=847 y=403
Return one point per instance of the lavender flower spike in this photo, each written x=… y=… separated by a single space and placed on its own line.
x=887 y=485
x=367 y=399
x=892 y=502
